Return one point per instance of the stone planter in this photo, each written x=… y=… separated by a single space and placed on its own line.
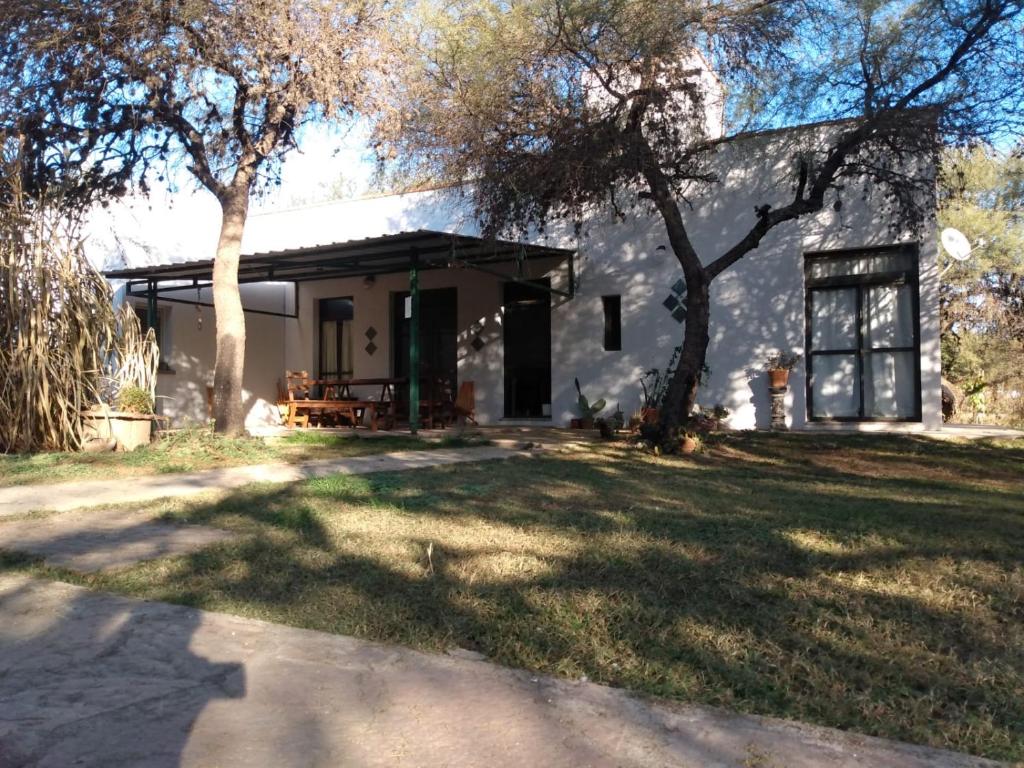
x=130 y=430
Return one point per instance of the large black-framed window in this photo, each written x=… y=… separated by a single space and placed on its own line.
x=863 y=335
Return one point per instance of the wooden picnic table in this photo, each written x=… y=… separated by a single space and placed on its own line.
x=336 y=397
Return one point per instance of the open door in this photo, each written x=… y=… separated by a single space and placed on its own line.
x=527 y=338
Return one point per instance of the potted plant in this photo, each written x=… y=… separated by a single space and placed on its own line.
x=689 y=442
x=131 y=373
x=778 y=365
x=710 y=420
x=129 y=423
x=586 y=409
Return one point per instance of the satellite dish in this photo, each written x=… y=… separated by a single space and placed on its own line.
x=956 y=244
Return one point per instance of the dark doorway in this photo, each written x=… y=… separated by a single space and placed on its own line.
x=334 y=360
x=438 y=338
x=527 y=349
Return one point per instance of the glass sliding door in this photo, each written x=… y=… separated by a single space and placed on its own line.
x=863 y=349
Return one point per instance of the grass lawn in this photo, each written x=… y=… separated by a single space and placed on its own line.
x=195 y=449
x=870 y=583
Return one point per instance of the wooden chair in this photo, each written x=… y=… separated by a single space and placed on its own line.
x=298 y=386
x=465 y=403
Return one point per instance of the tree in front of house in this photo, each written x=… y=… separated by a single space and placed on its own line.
x=982 y=299
x=554 y=107
x=109 y=94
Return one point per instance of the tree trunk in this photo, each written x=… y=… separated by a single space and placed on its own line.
x=682 y=389
x=229 y=418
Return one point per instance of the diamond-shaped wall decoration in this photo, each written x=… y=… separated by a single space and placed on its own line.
x=680 y=314
x=679 y=287
x=477 y=343
x=371 y=333
x=670 y=303
x=370 y=348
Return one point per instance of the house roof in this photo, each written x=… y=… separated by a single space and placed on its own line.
x=378 y=255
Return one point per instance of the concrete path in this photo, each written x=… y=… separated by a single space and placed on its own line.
x=90 y=679
x=64 y=496
x=101 y=540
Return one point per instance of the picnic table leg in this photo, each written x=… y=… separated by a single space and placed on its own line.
x=291 y=415
x=373 y=418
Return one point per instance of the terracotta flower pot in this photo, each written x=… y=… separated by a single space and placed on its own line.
x=778 y=378
x=687 y=444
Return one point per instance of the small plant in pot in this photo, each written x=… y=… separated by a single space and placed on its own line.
x=131 y=377
x=778 y=365
x=710 y=419
x=128 y=425
x=587 y=410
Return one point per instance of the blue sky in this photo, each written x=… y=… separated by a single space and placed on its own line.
x=184 y=224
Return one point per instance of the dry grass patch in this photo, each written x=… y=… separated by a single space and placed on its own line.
x=753 y=576
x=191 y=450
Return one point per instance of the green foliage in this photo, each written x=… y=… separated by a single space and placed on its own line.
x=982 y=299
x=134 y=399
x=587 y=410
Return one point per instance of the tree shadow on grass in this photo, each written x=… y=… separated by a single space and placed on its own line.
x=872 y=602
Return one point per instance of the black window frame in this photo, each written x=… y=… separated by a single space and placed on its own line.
x=612 y=307
x=910 y=277
x=322 y=304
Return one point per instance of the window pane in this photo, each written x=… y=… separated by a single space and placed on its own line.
x=889 y=385
x=328 y=347
x=834 y=319
x=889 y=316
x=834 y=387
x=862 y=264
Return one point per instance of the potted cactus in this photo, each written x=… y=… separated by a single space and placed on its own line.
x=587 y=410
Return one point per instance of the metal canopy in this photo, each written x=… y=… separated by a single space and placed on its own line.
x=356 y=258
x=408 y=252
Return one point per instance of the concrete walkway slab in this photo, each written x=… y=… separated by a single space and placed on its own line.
x=101 y=540
x=91 y=679
x=61 y=497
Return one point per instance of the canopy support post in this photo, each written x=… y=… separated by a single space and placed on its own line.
x=151 y=313
x=414 y=343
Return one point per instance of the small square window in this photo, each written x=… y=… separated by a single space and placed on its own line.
x=612 y=323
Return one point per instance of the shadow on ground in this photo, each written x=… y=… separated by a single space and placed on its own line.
x=868 y=583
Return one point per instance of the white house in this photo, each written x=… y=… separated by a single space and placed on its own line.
x=326 y=285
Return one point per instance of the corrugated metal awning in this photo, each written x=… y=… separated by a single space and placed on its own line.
x=354 y=258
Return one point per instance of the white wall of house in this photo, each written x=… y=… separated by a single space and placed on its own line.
x=188 y=347
x=758 y=305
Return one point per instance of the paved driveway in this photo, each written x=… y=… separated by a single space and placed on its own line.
x=90 y=679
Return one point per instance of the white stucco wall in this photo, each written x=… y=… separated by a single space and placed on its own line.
x=190 y=351
x=758 y=305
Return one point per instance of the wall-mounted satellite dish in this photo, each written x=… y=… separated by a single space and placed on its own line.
x=956 y=244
